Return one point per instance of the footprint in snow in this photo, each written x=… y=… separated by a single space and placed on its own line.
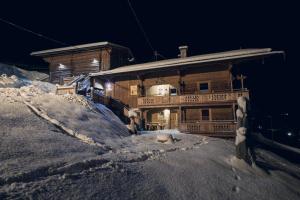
x=233 y=169
x=236 y=189
x=237 y=177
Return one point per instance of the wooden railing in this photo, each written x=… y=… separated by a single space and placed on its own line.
x=116 y=106
x=191 y=99
x=218 y=128
x=61 y=90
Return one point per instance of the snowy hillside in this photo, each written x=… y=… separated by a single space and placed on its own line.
x=65 y=147
x=11 y=70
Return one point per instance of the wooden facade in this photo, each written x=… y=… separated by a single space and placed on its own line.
x=65 y=63
x=174 y=99
x=192 y=94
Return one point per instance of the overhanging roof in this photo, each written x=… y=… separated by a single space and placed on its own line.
x=227 y=56
x=77 y=48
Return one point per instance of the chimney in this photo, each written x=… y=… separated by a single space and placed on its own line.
x=183 y=51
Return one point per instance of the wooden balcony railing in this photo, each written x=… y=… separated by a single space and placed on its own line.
x=191 y=99
x=218 y=128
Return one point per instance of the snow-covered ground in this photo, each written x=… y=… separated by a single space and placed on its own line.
x=42 y=160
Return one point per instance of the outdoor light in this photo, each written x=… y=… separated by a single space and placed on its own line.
x=95 y=62
x=61 y=66
x=166 y=112
x=289 y=134
x=108 y=86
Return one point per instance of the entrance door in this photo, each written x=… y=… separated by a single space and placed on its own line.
x=174 y=120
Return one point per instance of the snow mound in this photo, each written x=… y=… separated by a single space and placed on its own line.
x=11 y=70
x=12 y=81
x=76 y=113
x=82 y=118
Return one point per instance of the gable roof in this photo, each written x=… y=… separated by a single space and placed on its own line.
x=199 y=59
x=77 y=48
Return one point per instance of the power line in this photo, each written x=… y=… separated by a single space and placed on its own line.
x=140 y=26
x=32 y=32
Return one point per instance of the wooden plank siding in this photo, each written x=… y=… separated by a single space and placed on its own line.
x=81 y=62
x=219 y=81
x=187 y=105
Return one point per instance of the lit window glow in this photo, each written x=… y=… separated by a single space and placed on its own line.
x=108 y=86
x=95 y=62
x=61 y=66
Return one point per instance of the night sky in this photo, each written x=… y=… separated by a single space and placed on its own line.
x=205 y=26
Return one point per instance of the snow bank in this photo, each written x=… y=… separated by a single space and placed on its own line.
x=13 y=77
x=82 y=118
x=12 y=81
x=11 y=70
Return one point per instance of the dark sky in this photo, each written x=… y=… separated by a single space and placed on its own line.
x=205 y=26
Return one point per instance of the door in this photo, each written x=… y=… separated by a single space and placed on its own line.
x=174 y=120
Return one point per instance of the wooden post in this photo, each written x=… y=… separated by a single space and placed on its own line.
x=179 y=117
x=179 y=82
x=145 y=118
x=142 y=120
x=141 y=89
x=233 y=110
x=242 y=78
x=231 y=84
x=231 y=80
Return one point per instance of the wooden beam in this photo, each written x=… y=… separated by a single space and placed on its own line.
x=141 y=89
x=179 y=116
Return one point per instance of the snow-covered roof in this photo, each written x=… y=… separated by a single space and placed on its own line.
x=199 y=59
x=77 y=48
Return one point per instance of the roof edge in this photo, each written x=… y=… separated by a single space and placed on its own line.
x=77 y=48
x=186 y=61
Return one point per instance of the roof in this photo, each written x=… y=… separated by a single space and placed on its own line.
x=77 y=48
x=199 y=59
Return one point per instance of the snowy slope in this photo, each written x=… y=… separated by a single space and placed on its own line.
x=40 y=160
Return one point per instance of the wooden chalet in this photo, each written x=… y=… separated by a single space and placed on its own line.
x=67 y=62
x=193 y=94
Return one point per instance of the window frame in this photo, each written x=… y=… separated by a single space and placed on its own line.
x=204 y=91
x=209 y=114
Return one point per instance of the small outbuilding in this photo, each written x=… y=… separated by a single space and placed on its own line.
x=67 y=62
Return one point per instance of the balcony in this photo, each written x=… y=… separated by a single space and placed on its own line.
x=212 y=128
x=192 y=99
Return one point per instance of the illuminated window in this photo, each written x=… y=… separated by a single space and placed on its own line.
x=61 y=66
x=108 y=86
x=133 y=90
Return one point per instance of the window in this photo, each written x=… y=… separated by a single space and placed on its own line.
x=133 y=90
x=173 y=91
x=203 y=87
x=205 y=114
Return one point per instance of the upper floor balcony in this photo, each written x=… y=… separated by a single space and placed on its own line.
x=192 y=99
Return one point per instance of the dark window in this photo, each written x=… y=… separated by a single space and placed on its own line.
x=203 y=87
x=173 y=91
x=205 y=114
